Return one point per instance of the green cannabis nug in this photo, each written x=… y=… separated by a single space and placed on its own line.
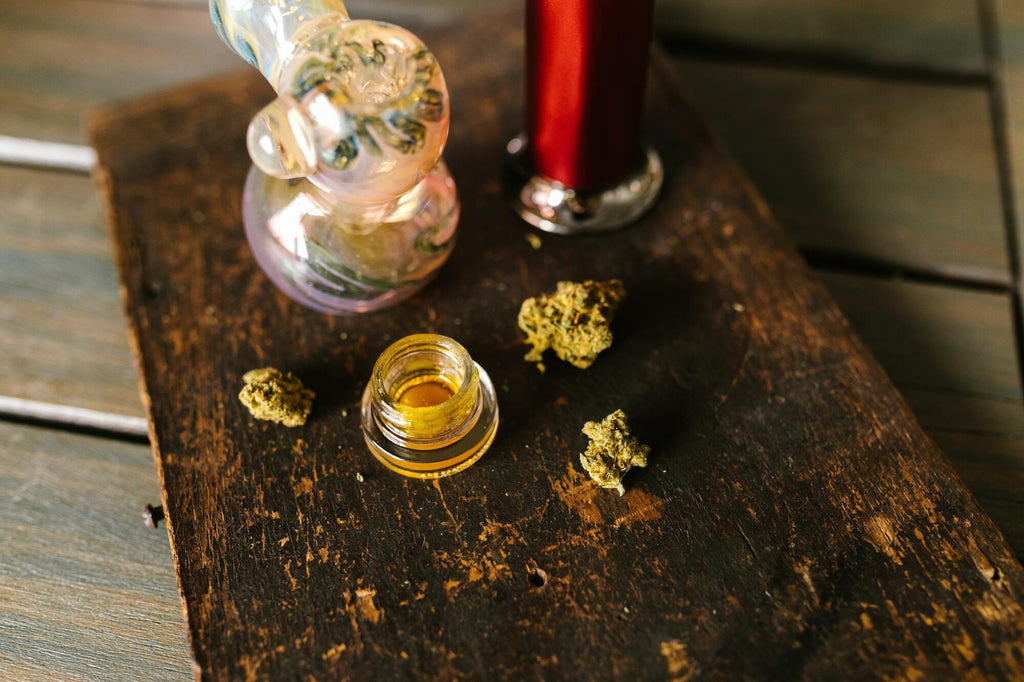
x=612 y=451
x=574 y=321
x=276 y=396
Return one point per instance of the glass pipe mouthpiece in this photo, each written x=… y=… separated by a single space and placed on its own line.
x=429 y=410
x=364 y=106
x=355 y=135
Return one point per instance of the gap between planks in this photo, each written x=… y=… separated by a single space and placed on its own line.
x=19 y=151
x=828 y=260
x=75 y=419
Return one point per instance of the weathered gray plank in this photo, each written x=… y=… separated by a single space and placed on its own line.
x=86 y=590
x=942 y=33
x=894 y=171
x=951 y=353
x=60 y=58
x=62 y=331
x=1010 y=17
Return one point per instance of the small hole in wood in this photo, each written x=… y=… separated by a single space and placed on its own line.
x=537 y=577
x=151 y=289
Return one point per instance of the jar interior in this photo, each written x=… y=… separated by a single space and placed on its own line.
x=422 y=377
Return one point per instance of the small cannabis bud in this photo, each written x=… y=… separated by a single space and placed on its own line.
x=612 y=451
x=274 y=396
x=574 y=321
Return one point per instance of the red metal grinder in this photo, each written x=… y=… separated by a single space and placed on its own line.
x=580 y=166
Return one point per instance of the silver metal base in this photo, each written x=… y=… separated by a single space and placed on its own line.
x=551 y=206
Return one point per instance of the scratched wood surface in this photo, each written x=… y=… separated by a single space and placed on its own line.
x=66 y=341
x=794 y=519
x=928 y=338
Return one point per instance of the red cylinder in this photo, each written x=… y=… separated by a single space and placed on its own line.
x=586 y=69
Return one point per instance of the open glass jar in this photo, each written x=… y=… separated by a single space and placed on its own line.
x=429 y=410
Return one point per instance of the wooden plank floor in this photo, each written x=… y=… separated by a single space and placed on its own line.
x=892 y=171
x=1007 y=20
x=912 y=33
x=908 y=172
x=63 y=334
x=86 y=590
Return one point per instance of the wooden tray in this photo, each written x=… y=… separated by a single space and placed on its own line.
x=794 y=519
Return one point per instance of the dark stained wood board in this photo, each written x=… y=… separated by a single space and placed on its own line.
x=794 y=520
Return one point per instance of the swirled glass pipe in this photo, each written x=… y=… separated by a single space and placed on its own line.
x=348 y=206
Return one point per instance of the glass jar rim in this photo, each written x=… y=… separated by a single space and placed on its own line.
x=420 y=342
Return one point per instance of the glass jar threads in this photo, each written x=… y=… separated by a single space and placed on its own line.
x=429 y=410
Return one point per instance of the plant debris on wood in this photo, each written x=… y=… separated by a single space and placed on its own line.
x=612 y=451
x=276 y=396
x=574 y=321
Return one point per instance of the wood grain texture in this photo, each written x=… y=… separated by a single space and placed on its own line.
x=1010 y=18
x=943 y=34
x=60 y=58
x=951 y=353
x=86 y=590
x=894 y=171
x=63 y=337
x=794 y=520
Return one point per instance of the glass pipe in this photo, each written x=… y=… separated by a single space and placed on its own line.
x=348 y=206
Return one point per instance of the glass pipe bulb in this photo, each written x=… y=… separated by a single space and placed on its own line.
x=345 y=257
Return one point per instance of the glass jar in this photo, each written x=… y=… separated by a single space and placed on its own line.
x=429 y=410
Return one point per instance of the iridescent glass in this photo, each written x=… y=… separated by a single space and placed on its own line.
x=348 y=206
